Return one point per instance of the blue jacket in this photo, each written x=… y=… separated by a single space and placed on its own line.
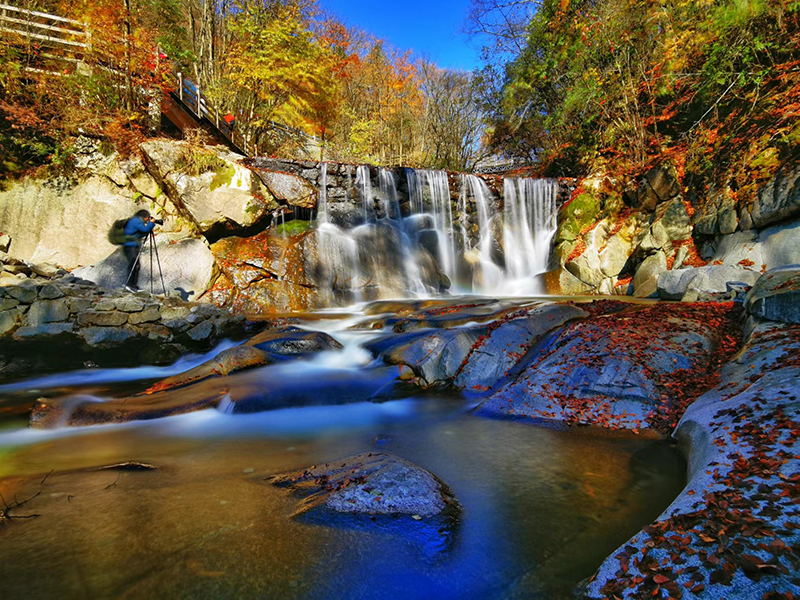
x=136 y=229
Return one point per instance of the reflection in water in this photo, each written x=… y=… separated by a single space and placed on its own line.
x=540 y=508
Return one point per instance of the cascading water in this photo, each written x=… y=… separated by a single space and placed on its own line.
x=493 y=251
x=529 y=225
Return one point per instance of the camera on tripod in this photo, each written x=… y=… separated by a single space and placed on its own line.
x=158 y=221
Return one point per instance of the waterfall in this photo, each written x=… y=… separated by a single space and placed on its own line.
x=530 y=223
x=495 y=246
x=489 y=275
x=364 y=187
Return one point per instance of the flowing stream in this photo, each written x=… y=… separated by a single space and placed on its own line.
x=541 y=508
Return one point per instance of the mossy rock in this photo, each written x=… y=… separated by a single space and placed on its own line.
x=223 y=176
x=295 y=227
x=578 y=213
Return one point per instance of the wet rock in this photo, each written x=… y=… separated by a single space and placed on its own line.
x=739 y=439
x=229 y=361
x=628 y=369
x=293 y=341
x=373 y=483
x=711 y=279
x=505 y=344
x=776 y=295
x=202 y=331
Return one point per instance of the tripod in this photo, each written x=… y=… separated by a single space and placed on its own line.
x=151 y=242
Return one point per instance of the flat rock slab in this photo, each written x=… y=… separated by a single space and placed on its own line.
x=371 y=484
x=293 y=341
x=776 y=295
x=638 y=368
x=733 y=532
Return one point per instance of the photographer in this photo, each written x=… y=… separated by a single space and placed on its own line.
x=137 y=228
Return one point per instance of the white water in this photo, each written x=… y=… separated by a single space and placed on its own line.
x=506 y=257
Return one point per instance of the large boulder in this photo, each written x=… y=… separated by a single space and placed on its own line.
x=638 y=368
x=658 y=185
x=186 y=266
x=224 y=195
x=62 y=221
x=293 y=190
x=692 y=282
x=731 y=531
x=776 y=295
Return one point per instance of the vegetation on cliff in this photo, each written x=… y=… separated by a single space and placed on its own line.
x=713 y=85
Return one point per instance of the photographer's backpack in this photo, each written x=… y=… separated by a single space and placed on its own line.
x=116 y=234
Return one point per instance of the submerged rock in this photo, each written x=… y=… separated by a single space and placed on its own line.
x=373 y=483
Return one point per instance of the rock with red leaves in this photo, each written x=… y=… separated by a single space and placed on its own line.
x=638 y=368
x=734 y=531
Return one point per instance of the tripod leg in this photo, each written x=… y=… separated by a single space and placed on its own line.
x=133 y=266
x=158 y=260
x=151 y=262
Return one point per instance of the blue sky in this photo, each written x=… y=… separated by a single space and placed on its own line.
x=430 y=28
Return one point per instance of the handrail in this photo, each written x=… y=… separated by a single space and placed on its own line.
x=40 y=14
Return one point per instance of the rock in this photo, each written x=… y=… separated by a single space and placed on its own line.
x=711 y=279
x=186 y=265
x=9 y=319
x=292 y=189
x=105 y=336
x=779 y=199
x=435 y=358
x=372 y=484
x=658 y=185
x=622 y=370
x=47 y=311
x=25 y=294
x=8 y=303
x=746 y=419
x=675 y=221
x=648 y=272
x=50 y=292
x=229 y=361
x=5 y=242
x=201 y=332
x=293 y=341
x=60 y=222
x=493 y=357
x=43 y=331
x=148 y=315
x=776 y=295
x=132 y=305
x=780 y=245
x=102 y=318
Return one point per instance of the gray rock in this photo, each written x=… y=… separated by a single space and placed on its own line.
x=781 y=244
x=48 y=311
x=721 y=433
x=779 y=199
x=370 y=484
x=105 y=304
x=776 y=295
x=8 y=303
x=50 y=292
x=293 y=341
x=130 y=305
x=615 y=255
x=148 y=315
x=202 y=331
x=292 y=189
x=45 y=330
x=169 y=313
x=106 y=336
x=185 y=265
x=711 y=279
x=102 y=319
x=77 y=304
x=25 y=294
x=649 y=270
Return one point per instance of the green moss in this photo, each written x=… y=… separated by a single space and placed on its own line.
x=223 y=176
x=580 y=212
x=293 y=227
x=195 y=161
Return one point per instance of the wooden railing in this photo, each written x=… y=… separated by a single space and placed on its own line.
x=52 y=36
x=193 y=99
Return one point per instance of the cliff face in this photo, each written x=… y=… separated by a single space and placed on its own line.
x=647 y=239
